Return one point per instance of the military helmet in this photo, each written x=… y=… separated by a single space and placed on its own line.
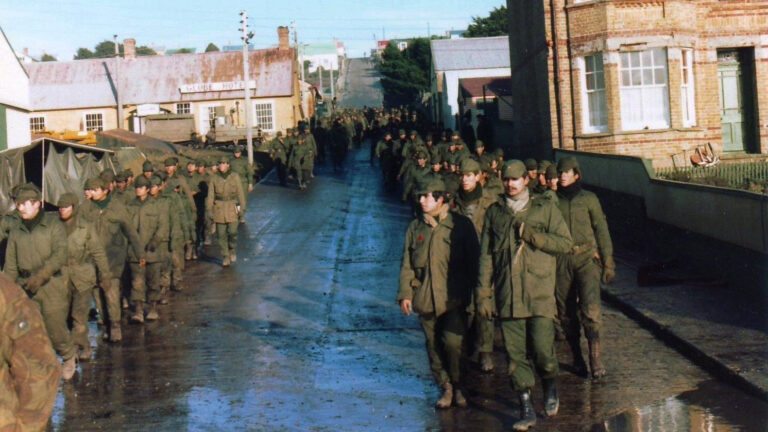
x=469 y=165
x=171 y=161
x=514 y=169
x=551 y=172
x=141 y=182
x=107 y=175
x=147 y=167
x=531 y=164
x=27 y=191
x=67 y=199
x=568 y=163
x=432 y=185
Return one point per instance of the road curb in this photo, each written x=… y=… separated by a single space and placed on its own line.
x=698 y=356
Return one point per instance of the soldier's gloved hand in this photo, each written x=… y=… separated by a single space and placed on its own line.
x=485 y=307
x=34 y=283
x=529 y=234
x=609 y=270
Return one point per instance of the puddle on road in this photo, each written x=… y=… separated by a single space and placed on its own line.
x=709 y=408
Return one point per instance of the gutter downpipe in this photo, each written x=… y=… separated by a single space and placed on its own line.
x=556 y=73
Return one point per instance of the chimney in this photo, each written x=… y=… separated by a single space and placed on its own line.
x=129 y=48
x=283 y=37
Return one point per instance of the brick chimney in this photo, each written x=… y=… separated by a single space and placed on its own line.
x=283 y=37
x=129 y=48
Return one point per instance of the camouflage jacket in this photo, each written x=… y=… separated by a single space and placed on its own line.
x=29 y=370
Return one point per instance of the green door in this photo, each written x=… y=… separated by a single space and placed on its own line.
x=729 y=74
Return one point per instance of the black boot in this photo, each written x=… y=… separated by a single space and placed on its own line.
x=551 y=401
x=527 y=414
x=579 y=365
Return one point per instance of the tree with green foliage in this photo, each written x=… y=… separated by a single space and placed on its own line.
x=106 y=49
x=405 y=73
x=184 y=51
x=211 y=47
x=47 y=58
x=495 y=24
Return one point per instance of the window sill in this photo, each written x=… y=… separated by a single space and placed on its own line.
x=638 y=132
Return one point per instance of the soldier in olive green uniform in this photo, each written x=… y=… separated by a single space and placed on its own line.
x=242 y=168
x=29 y=372
x=472 y=202
x=521 y=234
x=580 y=270
x=177 y=184
x=153 y=218
x=278 y=154
x=303 y=161
x=85 y=254
x=111 y=219
x=437 y=273
x=310 y=141
x=225 y=201
x=35 y=259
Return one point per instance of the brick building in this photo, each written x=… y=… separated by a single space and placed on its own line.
x=651 y=78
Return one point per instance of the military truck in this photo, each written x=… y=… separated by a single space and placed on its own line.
x=223 y=132
x=174 y=128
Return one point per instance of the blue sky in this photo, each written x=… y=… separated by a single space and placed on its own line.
x=60 y=27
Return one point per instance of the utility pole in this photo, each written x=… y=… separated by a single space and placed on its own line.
x=117 y=85
x=247 y=81
x=299 y=49
x=429 y=33
x=333 y=87
x=320 y=74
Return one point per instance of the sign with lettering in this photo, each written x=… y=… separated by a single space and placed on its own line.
x=147 y=109
x=215 y=86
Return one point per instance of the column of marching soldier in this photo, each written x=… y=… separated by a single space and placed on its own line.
x=123 y=245
x=513 y=244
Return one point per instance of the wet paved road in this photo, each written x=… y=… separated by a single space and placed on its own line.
x=303 y=334
x=362 y=86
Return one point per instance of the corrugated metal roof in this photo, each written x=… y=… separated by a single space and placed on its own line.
x=473 y=87
x=155 y=79
x=470 y=53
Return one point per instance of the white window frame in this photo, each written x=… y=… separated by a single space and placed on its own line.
x=189 y=106
x=85 y=120
x=256 y=122
x=588 y=126
x=39 y=116
x=687 y=89
x=639 y=84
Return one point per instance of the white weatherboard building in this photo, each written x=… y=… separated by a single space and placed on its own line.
x=454 y=59
x=14 y=98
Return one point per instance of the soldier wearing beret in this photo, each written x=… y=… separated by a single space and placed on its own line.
x=581 y=269
x=521 y=235
x=85 y=255
x=35 y=259
x=225 y=201
x=29 y=372
x=437 y=273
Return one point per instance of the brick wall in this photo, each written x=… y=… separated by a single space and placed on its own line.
x=611 y=27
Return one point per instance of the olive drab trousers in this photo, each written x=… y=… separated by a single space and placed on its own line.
x=444 y=338
x=577 y=295
x=538 y=333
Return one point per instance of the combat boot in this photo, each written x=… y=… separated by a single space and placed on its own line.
x=447 y=397
x=551 y=401
x=188 y=253
x=458 y=398
x=225 y=261
x=115 y=334
x=68 y=368
x=138 y=313
x=598 y=370
x=579 y=365
x=164 y=296
x=84 y=354
x=152 y=313
x=527 y=414
x=232 y=256
x=178 y=286
x=486 y=362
